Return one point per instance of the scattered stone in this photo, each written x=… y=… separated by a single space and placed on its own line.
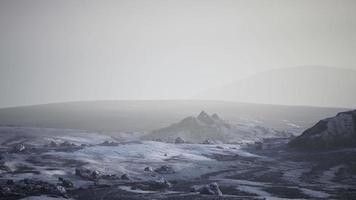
x=160 y=184
x=95 y=174
x=211 y=189
x=208 y=142
x=165 y=170
x=27 y=187
x=53 y=144
x=10 y=182
x=125 y=177
x=179 y=140
x=109 y=176
x=65 y=183
x=85 y=173
x=19 y=148
x=109 y=143
x=67 y=144
x=5 y=191
x=195 y=188
x=61 y=190
x=258 y=145
x=148 y=169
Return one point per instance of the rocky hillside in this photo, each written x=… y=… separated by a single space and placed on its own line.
x=212 y=128
x=335 y=132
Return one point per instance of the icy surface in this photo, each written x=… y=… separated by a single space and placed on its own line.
x=188 y=160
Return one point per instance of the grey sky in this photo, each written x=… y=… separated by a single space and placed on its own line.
x=60 y=50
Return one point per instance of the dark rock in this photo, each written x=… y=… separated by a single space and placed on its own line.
x=53 y=144
x=19 y=148
x=258 y=145
x=195 y=188
x=95 y=174
x=148 y=169
x=10 y=182
x=160 y=184
x=67 y=144
x=208 y=142
x=330 y=133
x=211 y=189
x=109 y=143
x=125 y=177
x=87 y=174
x=60 y=190
x=109 y=176
x=179 y=140
x=30 y=187
x=165 y=170
x=65 y=183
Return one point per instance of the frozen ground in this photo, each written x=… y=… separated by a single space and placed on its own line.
x=241 y=171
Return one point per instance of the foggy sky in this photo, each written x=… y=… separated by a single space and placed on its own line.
x=70 y=50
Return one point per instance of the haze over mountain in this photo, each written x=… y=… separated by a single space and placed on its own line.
x=151 y=115
x=312 y=85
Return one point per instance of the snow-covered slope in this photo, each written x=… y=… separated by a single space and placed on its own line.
x=338 y=131
x=212 y=127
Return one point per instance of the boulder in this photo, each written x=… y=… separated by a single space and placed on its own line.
x=65 y=183
x=160 y=184
x=109 y=143
x=211 y=189
x=67 y=144
x=95 y=174
x=208 y=142
x=87 y=174
x=31 y=187
x=125 y=177
x=179 y=140
x=148 y=169
x=19 y=148
x=53 y=144
x=165 y=170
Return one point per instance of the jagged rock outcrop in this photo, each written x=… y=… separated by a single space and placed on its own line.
x=30 y=187
x=334 y=132
x=210 y=189
x=19 y=148
x=194 y=129
x=160 y=184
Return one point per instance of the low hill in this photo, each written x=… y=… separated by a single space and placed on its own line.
x=151 y=115
x=207 y=127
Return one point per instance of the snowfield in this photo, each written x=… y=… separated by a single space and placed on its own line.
x=188 y=160
x=117 y=166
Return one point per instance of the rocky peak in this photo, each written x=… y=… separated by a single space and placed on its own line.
x=215 y=116
x=204 y=117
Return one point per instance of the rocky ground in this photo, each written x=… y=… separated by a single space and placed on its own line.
x=68 y=169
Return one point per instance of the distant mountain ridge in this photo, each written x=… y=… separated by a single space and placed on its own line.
x=145 y=116
x=309 y=85
x=334 y=132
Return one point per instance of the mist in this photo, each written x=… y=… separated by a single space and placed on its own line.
x=59 y=51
